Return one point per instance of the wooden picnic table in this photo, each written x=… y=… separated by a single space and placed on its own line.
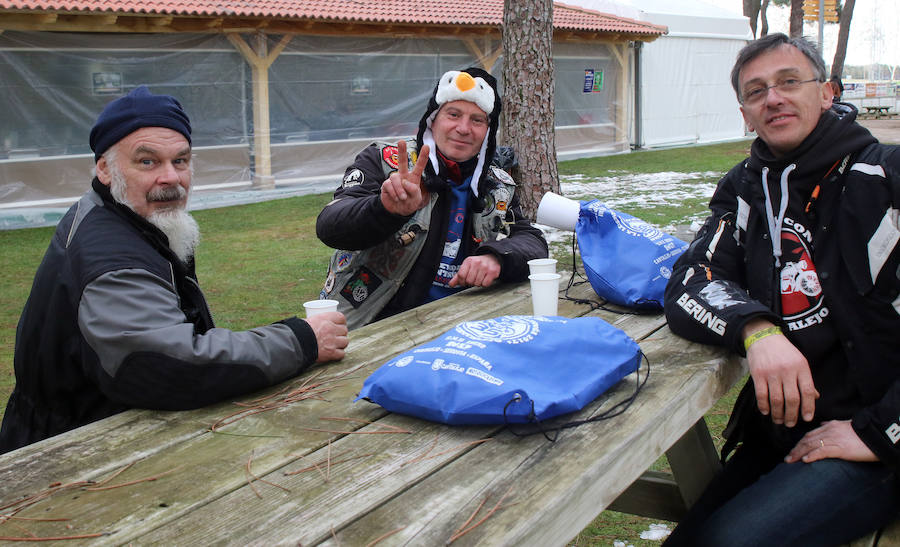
x=334 y=472
x=879 y=111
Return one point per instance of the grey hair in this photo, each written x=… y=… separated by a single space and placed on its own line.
x=772 y=41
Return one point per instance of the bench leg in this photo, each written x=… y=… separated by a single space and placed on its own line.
x=694 y=462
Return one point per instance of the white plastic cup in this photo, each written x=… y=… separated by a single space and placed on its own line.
x=544 y=293
x=542 y=265
x=557 y=211
x=315 y=307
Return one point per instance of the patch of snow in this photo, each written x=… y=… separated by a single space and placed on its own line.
x=657 y=532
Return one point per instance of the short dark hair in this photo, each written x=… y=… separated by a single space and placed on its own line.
x=772 y=41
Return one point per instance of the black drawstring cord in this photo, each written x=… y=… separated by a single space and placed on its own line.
x=595 y=305
x=611 y=412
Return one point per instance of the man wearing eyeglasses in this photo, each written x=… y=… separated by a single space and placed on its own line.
x=800 y=260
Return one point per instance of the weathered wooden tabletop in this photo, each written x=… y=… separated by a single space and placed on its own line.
x=326 y=470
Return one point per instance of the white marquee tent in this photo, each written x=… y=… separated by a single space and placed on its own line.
x=685 y=91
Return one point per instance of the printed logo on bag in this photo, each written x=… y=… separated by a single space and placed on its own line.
x=360 y=287
x=507 y=329
x=353 y=178
x=390 y=154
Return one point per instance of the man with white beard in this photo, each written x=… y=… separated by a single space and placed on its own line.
x=116 y=318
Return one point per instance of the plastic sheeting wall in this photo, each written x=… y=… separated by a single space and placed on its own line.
x=329 y=97
x=687 y=94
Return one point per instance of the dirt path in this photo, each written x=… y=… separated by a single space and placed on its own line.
x=886 y=131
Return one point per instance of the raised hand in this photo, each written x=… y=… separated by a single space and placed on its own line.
x=403 y=193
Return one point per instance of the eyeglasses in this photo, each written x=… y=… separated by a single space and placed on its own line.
x=757 y=94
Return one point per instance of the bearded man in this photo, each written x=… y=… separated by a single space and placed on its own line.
x=116 y=318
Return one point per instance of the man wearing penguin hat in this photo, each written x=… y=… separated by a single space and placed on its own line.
x=421 y=219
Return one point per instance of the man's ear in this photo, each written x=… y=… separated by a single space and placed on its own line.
x=103 y=174
x=827 y=95
x=747 y=123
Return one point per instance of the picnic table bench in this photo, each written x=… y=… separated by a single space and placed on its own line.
x=321 y=469
x=878 y=111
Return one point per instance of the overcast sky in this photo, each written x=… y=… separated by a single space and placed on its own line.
x=874 y=31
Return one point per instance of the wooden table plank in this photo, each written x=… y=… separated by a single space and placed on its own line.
x=553 y=507
x=161 y=441
x=362 y=489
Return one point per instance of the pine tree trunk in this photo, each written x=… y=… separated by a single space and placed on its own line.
x=840 y=52
x=751 y=10
x=528 y=109
x=796 y=27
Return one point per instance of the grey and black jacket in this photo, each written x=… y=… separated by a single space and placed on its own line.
x=115 y=321
x=729 y=275
x=374 y=244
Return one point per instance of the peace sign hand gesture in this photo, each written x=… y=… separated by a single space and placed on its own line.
x=402 y=193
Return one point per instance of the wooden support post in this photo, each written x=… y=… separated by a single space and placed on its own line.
x=260 y=59
x=694 y=462
x=485 y=57
x=620 y=52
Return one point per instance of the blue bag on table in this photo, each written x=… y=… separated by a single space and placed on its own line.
x=511 y=369
x=627 y=261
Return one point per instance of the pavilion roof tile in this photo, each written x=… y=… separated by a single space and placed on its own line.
x=424 y=12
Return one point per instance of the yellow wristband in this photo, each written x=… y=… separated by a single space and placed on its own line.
x=759 y=335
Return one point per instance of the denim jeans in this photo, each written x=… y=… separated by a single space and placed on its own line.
x=757 y=500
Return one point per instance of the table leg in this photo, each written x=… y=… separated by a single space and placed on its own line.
x=694 y=462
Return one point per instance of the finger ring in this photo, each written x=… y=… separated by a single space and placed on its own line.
x=822 y=443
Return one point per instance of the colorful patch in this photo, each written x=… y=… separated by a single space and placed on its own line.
x=501 y=205
x=329 y=284
x=390 y=156
x=360 y=287
x=342 y=261
x=353 y=178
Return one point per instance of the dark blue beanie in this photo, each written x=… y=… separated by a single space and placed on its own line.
x=138 y=109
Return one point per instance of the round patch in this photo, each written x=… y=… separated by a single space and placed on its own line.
x=360 y=293
x=507 y=329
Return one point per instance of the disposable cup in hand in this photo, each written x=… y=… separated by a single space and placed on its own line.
x=542 y=265
x=544 y=293
x=315 y=307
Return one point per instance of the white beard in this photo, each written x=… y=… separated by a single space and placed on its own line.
x=179 y=226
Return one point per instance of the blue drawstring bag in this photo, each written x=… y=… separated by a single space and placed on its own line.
x=627 y=261
x=511 y=369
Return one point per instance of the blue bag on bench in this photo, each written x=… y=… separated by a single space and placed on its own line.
x=511 y=369
x=627 y=261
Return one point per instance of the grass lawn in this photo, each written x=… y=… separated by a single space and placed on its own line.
x=258 y=263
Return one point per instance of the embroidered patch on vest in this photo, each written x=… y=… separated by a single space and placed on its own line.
x=359 y=287
x=390 y=156
x=353 y=178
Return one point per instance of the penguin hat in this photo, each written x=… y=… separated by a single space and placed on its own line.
x=476 y=86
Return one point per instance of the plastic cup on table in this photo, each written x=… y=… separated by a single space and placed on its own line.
x=542 y=265
x=544 y=293
x=315 y=307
